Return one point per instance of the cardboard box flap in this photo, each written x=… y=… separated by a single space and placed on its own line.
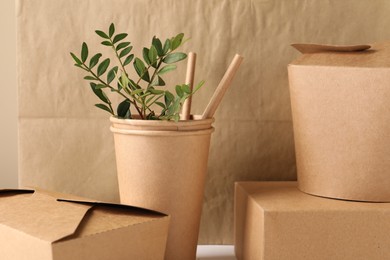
x=104 y=217
x=51 y=220
x=113 y=205
x=313 y=48
x=54 y=221
x=365 y=56
x=7 y=192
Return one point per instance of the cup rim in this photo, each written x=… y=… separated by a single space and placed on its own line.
x=197 y=123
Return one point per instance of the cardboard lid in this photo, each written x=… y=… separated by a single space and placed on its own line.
x=365 y=56
x=48 y=218
x=284 y=196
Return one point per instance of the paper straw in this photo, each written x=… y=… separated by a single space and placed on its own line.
x=186 y=110
x=222 y=87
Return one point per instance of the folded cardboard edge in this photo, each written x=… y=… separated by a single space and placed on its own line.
x=79 y=200
x=95 y=204
x=113 y=205
x=18 y=191
x=315 y=48
x=86 y=201
x=342 y=198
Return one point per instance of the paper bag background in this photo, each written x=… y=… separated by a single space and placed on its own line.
x=65 y=143
x=8 y=105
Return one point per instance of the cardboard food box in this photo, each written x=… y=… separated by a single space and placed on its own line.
x=340 y=99
x=274 y=221
x=39 y=226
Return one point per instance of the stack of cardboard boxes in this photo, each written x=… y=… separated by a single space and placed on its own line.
x=340 y=99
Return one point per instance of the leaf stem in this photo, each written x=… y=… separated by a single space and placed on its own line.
x=124 y=70
x=113 y=89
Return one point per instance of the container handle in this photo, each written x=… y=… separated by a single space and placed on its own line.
x=313 y=48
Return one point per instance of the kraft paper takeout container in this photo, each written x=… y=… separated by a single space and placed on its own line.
x=38 y=226
x=162 y=165
x=340 y=99
x=274 y=221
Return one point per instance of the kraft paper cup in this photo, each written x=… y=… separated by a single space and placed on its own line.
x=162 y=166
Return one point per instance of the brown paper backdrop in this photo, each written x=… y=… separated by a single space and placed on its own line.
x=8 y=105
x=65 y=143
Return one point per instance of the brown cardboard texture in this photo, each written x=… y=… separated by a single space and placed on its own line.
x=163 y=166
x=340 y=107
x=274 y=220
x=38 y=226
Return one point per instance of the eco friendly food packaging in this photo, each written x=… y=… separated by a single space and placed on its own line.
x=340 y=99
x=162 y=165
x=274 y=220
x=50 y=226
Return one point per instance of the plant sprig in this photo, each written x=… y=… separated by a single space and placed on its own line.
x=156 y=61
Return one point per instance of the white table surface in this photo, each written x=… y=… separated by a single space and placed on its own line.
x=215 y=253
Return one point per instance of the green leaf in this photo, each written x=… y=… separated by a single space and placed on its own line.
x=119 y=37
x=141 y=69
x=103 y=67
x=89 y=78
x=145 y=54
x=128 y=59
x=148 y=93
x=139 y=66
x=158 y=81
x=198 y=86
x=123 y=108
x=179 y=91
x=84 y=52
x=122 y=45
x=124 y=82
x=166 y=69
x=126 y=51
x=186 y=89
x=133 y=84
x=149 y=99
x=152 y=55
x=77 y=60
x=158 y=45
x=111 y=30
x=169 y=95
x=167 y=46
x=151 y=116
x=174 y=57
x=137 y=91
x=168 y=98
x=156 y=91
x=99 y=93
x=177 y=41
x=104 y=107
x=176 y=117
x=106 y=43
x=160 y=104
x=94 y=60
x=81 y=67
x=100 y=86
x=102 y=34
x=174 y=107
x=112 y=74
